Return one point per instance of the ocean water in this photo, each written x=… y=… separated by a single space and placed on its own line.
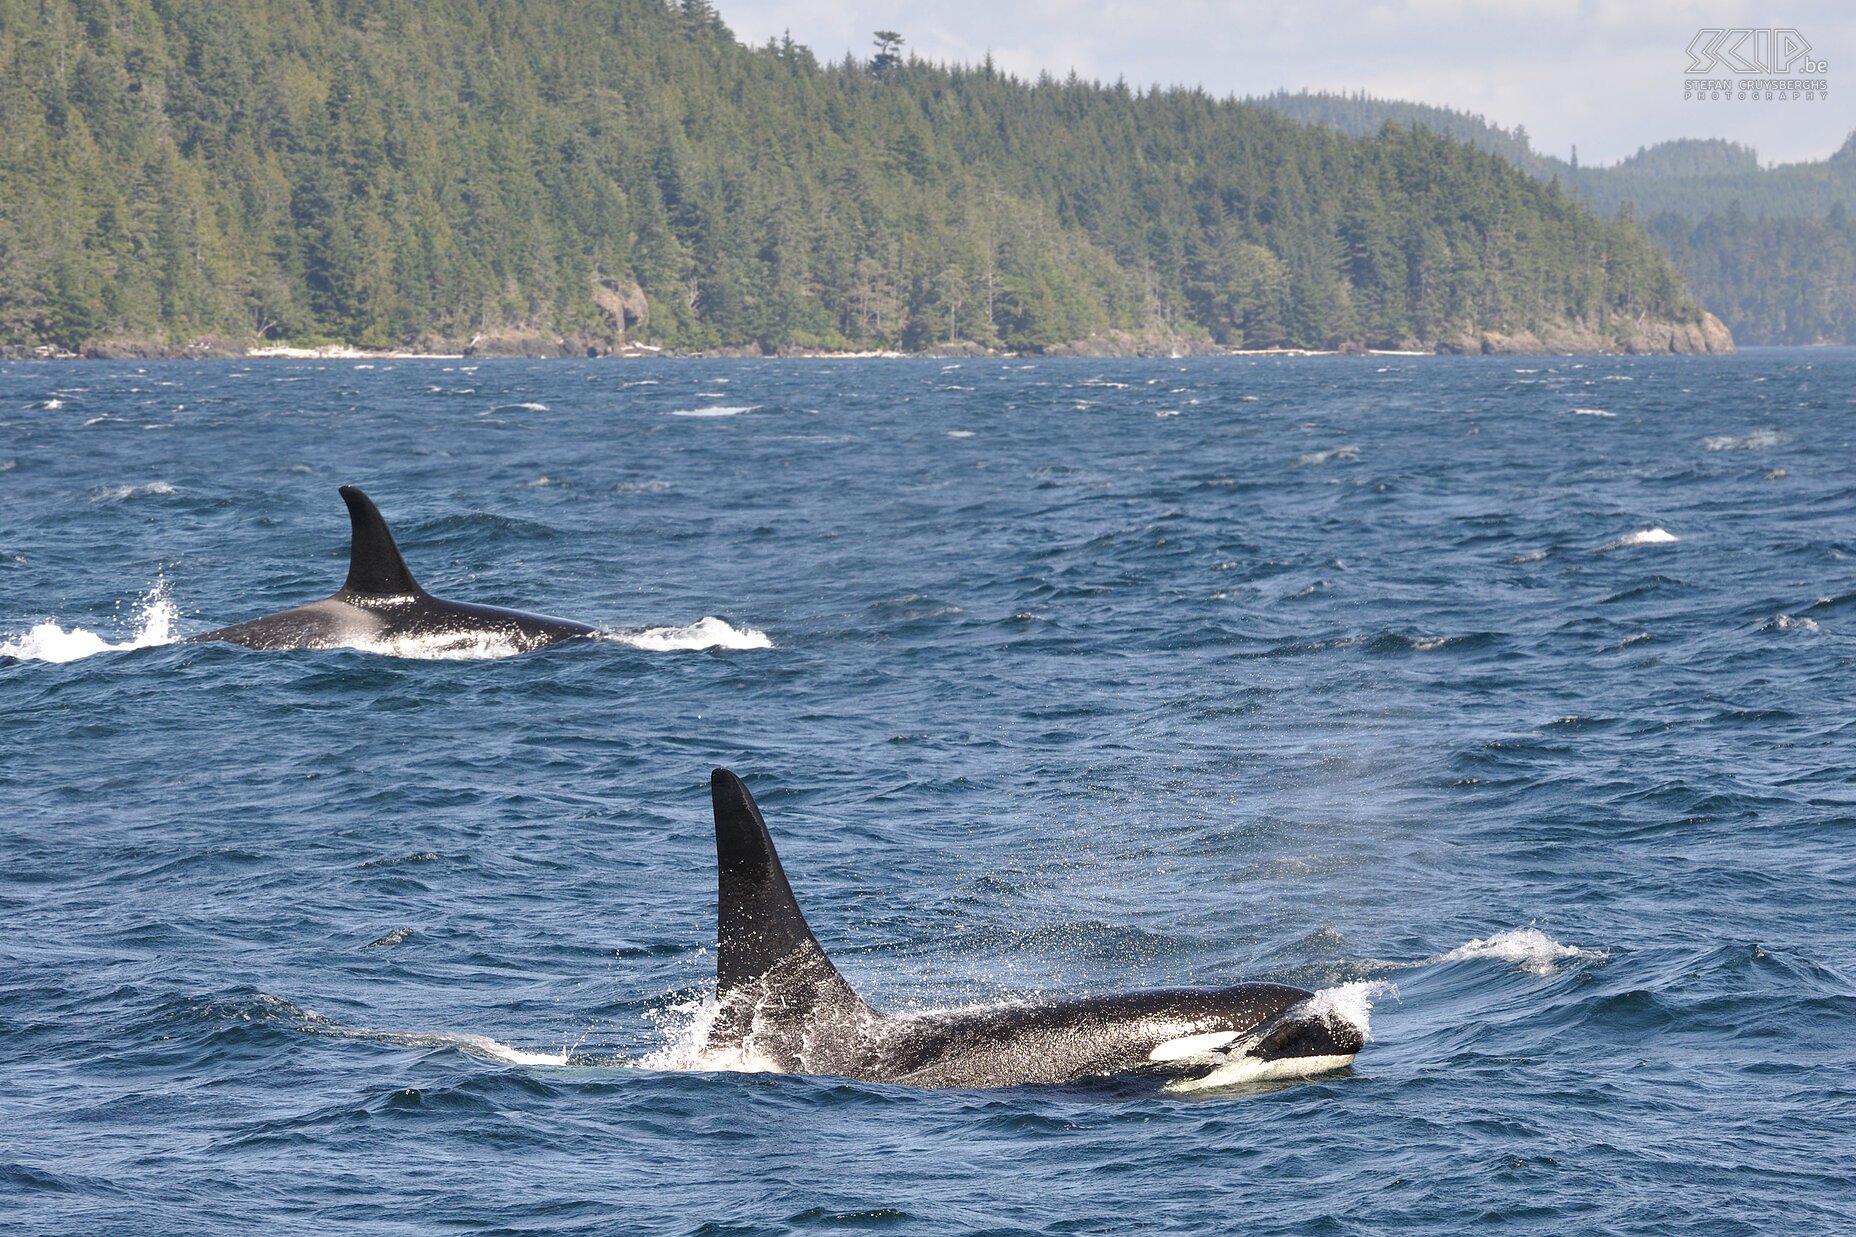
x=1508 y=703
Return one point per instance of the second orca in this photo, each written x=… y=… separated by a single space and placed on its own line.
x=381 y=603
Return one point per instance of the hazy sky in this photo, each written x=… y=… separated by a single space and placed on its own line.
x=1603 y=74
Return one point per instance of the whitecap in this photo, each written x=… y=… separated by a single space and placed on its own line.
x=1351 y=1003
x=477 y=1046
x=1787 y=622
x=47 y=641
x=960 y=433
x=463 y=1041
x=443 y=646
x=1528 y=948
x=716 y=410
x=684 y=1026
x=1758 y=440
x=118 y=493
x=1643 y=536
x=1589 y=412
x=1332 y=453
x=708 y=632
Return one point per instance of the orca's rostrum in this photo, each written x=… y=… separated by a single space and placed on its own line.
x=781 y=1004
x=380 y=604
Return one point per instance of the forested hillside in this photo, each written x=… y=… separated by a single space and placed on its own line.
x=1781 y=280
x=564 y=174
x=1771 y=250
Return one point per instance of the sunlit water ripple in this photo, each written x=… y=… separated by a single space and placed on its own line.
x=1513 y=695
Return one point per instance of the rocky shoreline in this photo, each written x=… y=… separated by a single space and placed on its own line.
x=1708 y=337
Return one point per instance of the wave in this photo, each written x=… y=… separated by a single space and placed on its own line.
x=445 y=646
x=1528 y=948
x=719 y=410
x=708 y=632
x=47 y=641
x=1758 y=440
x=1589 y=412
x=683 y=1027
x=463 y=1041
x=119 y=493
x=705 y=633
x=1643 y=536
x=1332 y=453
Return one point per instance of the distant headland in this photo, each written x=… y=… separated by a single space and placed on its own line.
x=569 y=179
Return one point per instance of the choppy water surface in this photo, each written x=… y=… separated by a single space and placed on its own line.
x=1510 y=697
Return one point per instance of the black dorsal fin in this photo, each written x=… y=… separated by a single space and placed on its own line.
x=760 y=926
x=374 y=564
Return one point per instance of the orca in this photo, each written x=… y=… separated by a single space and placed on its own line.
x=782 y=1005
x=380 y=603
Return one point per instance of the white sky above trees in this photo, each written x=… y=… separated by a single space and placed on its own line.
x=1604 y=74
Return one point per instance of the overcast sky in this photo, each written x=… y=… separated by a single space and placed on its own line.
x=1603 y=74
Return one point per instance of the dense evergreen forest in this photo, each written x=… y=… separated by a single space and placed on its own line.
x=570 y=174
x=1771 y=250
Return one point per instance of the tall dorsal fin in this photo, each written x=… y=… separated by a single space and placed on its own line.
x=760 y=926
x=374 y=563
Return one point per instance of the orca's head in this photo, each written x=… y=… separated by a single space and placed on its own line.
x=1274 y=1032
x=1304 y=1032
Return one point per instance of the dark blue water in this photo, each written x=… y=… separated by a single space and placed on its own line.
x=1513 y=698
